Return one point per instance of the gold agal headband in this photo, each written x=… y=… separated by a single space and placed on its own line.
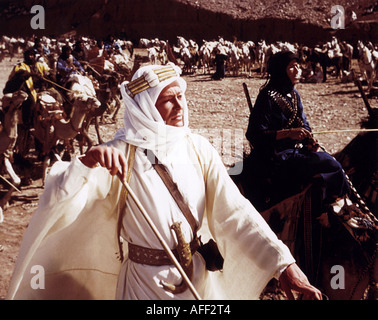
x=151 y=78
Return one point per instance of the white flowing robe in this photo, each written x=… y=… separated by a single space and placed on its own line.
x=73 y=233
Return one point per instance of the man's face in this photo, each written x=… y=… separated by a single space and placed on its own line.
x=30 y=59
x=170 y=105
x=294 y=72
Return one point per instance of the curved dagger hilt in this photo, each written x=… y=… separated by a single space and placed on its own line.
x=185 y=258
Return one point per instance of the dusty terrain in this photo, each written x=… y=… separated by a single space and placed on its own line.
x=217 y=108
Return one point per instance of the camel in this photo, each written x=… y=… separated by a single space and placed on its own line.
x=11 y=102
x=108 y=93
x=336 y=249
x=321 y=240
x=368 y=63
x=81 y=87
x=51 y=127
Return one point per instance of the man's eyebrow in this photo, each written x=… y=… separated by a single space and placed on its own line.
x=170 y=92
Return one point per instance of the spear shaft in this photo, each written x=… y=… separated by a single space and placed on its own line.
x=344 y=130
x=162 y=241
x=10 y=183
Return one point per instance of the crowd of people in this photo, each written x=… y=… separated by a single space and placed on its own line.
x=46 y=66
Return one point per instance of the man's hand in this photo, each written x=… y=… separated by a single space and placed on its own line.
x=298 y=134
x=294 y=279
x=108 y=157
x=36 y=75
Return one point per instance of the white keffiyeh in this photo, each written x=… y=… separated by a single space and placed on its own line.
x=143 y=125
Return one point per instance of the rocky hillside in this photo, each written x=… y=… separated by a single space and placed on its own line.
x=301 y=21
x=315 y=12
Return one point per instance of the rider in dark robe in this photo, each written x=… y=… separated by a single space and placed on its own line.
x=284 y=151
x=220 y=60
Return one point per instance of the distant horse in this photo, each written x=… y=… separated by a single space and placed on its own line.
x=11 y=103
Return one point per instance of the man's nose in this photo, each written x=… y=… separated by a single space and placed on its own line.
x=178 y=103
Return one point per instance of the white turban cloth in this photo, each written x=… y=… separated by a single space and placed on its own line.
x=143 y=125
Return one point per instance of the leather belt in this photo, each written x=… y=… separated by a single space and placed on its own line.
x=155 y=257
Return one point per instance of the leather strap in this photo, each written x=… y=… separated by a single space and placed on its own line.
x=174 y=191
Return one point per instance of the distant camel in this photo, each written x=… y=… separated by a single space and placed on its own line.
x=11 y=103
x=50 y=127
x=367 y=60
x=81 y=87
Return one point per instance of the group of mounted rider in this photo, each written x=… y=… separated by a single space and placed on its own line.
x=64 y=93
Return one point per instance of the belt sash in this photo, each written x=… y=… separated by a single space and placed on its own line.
x=155 y=257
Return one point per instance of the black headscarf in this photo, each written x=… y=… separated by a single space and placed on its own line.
x=277 y=65
x=66 y=51
x=27 y=59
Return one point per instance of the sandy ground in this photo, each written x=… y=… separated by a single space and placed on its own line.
x=218 y=109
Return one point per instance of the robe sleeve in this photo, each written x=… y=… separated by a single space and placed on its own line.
x=306 y=124
x=252 y=252
x=72 y=236
x=260 y=132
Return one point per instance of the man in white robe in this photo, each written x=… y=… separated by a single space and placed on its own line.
x=73 y=237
